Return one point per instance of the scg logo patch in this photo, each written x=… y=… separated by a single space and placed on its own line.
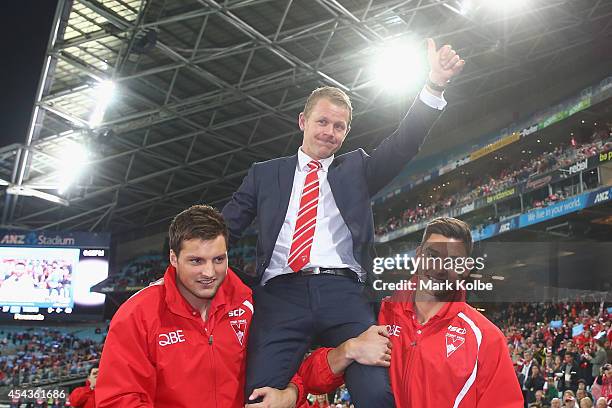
x=171 y=338
x=457 y=329
x=236 y=312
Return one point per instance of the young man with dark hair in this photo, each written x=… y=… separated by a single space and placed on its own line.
x=181 y=342
x=440 y=351
x=83 y=397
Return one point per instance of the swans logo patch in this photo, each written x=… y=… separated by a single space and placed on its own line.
x=453 y=342
x=239 y=327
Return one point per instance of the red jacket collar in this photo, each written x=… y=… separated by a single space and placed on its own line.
x=231 y=291
x=452 y=307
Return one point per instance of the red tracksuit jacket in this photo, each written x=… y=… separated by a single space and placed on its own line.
x=458 y=359
x=159 y=352
x=82 y=397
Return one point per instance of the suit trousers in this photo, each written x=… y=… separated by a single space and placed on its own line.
x=291 y=313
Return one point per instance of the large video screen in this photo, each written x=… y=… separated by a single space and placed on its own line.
x=50 y=278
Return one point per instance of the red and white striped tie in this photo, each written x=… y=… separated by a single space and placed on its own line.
x=299 y=254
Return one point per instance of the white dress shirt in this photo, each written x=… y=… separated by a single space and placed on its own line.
x=332 y=245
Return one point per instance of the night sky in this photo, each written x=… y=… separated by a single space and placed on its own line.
x=24 y=32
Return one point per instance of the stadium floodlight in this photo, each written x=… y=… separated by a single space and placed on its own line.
x=31 y=192
x=399 y=66
x=73 y=159
x=103 y=95
x=466 y=6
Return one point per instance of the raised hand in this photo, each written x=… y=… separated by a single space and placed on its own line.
x=444 y=63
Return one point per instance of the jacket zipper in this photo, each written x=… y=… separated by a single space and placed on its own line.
x=408 y=372
x=209 y=333
x=214 y=370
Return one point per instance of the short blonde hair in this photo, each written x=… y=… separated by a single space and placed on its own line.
x=335 y=95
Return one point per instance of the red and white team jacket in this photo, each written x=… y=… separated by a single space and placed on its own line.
x=159 y=352
x=458 y=359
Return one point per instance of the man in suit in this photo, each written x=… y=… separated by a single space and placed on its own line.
x=316 y=233
x=525 y=373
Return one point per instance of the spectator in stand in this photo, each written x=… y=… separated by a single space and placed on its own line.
x=597 y=388
x=525 y=372
x=539 y=400
x=586 y=402
x=555 y=403
x=83 y=397
x=601 y=403
x=568 y=379
x=606 y=382
x=585 y=368
x=580 y=394
x=569 y=399
x=535 y=382
x=599 y=358
x=558 y=363
x=551 y=388
x=582 y=386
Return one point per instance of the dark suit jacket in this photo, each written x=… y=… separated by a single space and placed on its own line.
x=354 y=177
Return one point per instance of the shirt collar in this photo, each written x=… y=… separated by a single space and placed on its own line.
x=304 y=159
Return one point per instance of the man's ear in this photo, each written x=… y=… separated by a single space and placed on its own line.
x=419 y=251
x=302 y=121
x=173 y=259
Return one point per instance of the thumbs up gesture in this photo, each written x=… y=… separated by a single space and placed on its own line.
x=444 y=63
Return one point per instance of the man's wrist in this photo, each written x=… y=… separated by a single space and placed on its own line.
x=437 y=80
x=292 y=393
x=348 y=350
x=435 y=93
x=341 y=357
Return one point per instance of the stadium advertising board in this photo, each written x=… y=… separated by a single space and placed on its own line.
x=501 y=195
x=604 y=156
x=505 y=141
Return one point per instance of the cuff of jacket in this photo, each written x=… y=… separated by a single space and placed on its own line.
x=328 y=375
x=431 y=100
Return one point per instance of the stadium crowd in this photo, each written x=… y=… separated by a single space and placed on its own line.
x=561 y=352
x=139 y=271
x=478 y=186
x=40 y=355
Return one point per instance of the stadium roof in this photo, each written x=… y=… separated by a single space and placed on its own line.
x=204 y=88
